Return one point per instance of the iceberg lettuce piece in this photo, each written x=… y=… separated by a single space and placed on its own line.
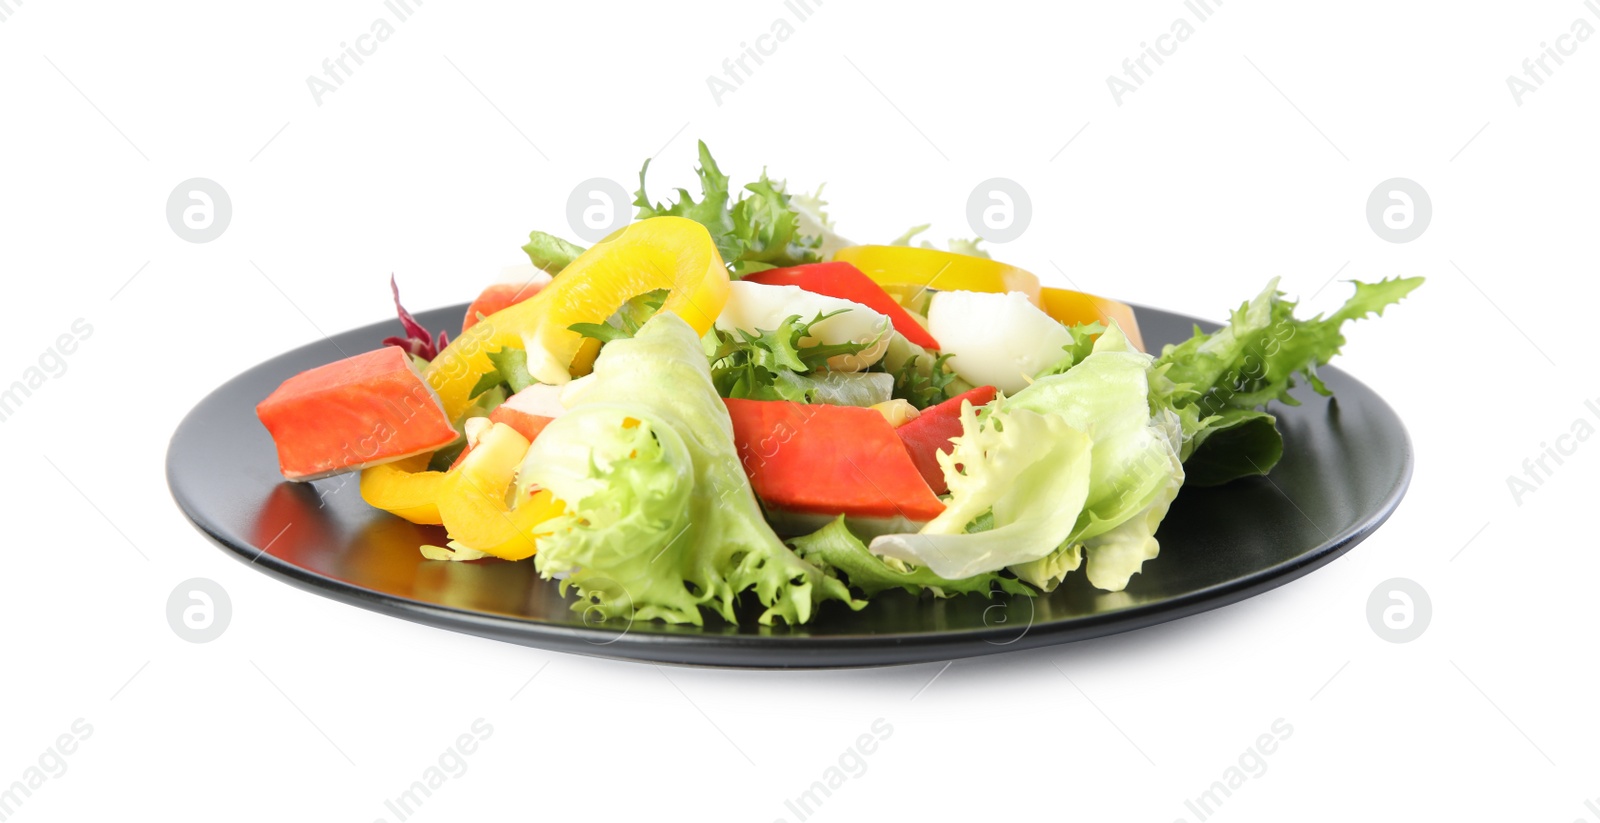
x=1136 y=468
x=1030 y=471
x=661 y=520
x=1118 y=554
x=1079 y=465
x=836 y=547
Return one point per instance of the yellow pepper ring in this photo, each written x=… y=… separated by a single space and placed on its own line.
x=1074 y=307
x=941 y=270
x=472 y=499
x=672 y=253
x=405 y=488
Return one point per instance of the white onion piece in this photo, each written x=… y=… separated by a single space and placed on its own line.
x=998 y=340
x=754 y=307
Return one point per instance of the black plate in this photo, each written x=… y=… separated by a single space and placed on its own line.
x=1346 y=466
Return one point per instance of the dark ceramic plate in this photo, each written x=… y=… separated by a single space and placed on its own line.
x=1346 y=465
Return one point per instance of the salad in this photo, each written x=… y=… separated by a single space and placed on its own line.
x=726 y=408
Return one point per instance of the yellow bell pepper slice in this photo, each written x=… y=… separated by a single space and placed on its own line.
x=404 y=488
x=672 y=253
x=1074 y=307
x=584 y=362
x=529 y=514
x=935 y=269
x=473 y=499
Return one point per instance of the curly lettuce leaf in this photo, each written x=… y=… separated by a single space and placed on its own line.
x=549 y=252
x=835 y=546
x=958 y=245
x=773 y=364
x=814 y=221
x=759 y=230
x=910 y=234
x=661 y=522
x=711 y=210
x=1083 y=337
x=924 y=385
x=962 y=245
x=922 y=378
x=769 y=227
x=1222 y=380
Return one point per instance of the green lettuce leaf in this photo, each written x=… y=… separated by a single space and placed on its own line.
x=712 y=210
x=910 y=234
x=661 y=521
x=834 y=546
x=626 y=321
x=549 y=252
x=1047 y=572
x=921 y=377
x=1083 y=337
x=814 y=221
x=923 y=385
x=512 y=364
x=1029 y=472
x=772 y=364
x=759 y=230
x=510 y=371
x=1118 y=553
x=957 y=245
x=1221 y=381
x=1136 y=468
x=1231 y=444
x=961 y=245
x=1108 y=394
x=1079 y=464
x=768 y=226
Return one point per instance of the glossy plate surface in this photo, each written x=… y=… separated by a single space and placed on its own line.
x=1345 y=468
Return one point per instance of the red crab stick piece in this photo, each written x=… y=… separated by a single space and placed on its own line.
x=501 y=296
x=832 y=460
x=846 y=282
x=931 y=432
x=528 y=411
x=360 y=411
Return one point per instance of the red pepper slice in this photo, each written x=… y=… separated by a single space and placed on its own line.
x=846 y=282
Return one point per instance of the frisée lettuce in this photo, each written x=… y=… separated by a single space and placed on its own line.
x=1219 y=383
x=661 y=520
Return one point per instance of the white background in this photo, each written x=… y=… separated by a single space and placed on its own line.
x=1250 y=153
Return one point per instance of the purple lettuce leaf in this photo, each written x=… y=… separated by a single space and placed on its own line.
x=417 y=340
